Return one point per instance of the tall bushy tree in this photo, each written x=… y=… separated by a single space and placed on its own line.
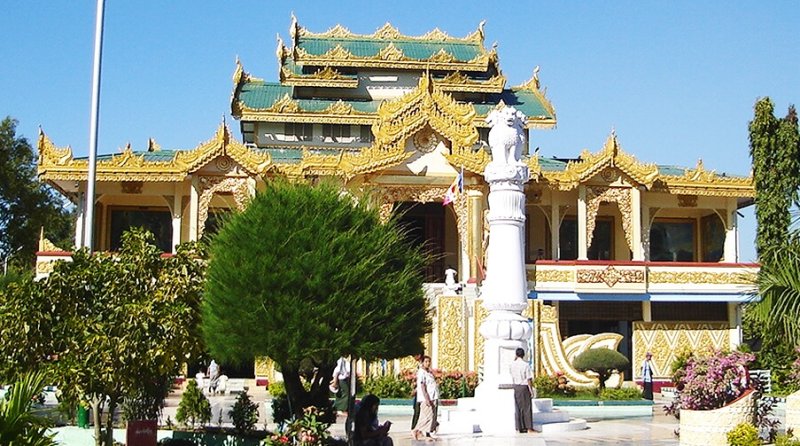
x=26 y=205
x=310 y=274
x=108 y=326
x=775 y=153
x=775 y=316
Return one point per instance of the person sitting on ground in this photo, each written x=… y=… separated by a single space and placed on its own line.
x=368 y=431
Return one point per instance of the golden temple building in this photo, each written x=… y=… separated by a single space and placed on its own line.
x=620 y=253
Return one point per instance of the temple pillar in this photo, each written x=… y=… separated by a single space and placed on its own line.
x=555 y=233
x=475 y=231
x=177 y=217
x=644 y=241
x=636 y=224
x=647 y=311
x=735 y=324
x=194 y=209
x=730 y=253
x=80 y=213
x=583 y=249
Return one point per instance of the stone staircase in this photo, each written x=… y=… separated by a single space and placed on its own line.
x=547 y=419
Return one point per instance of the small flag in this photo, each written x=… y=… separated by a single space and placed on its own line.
x=456 y=188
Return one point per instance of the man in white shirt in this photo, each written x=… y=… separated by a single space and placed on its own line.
x=523 y=392
x=341 y=380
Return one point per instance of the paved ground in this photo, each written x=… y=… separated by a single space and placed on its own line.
x=658 y=430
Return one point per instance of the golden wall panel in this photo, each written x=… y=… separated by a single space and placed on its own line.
x=452 y=331
x=666 y=340
x=480 y=313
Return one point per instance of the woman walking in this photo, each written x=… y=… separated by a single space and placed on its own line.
x=428 y=396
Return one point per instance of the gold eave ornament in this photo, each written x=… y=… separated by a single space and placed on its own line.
x=58 y=163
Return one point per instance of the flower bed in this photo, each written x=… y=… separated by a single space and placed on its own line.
x=710 y=427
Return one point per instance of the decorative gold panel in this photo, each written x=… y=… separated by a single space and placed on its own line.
x=610 y=276
x=480 y=314
x=624 y=199
x=702 y=277
x=550 y=275
x=666 y=340
x=452 y=333
x=265 y=367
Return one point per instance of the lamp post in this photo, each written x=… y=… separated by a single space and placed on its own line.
x=8 y=256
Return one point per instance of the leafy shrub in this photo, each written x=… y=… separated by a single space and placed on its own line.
x=744 y=434
x=388 y=386
x=308 y=430
x=711 y=381
x=280 y=410
x=194 y=407
x=621 y=394
x=277 y=389
x=786 y=439
x=244 y=413
x=555 y=386
x=18 y=425
x=452 y=384
x=602 y=361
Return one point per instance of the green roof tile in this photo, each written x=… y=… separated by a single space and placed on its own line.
x=159 y=155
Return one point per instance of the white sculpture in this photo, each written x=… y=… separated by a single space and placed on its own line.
x=507 y=135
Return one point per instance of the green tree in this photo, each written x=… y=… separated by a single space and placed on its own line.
x=308 y=274
x=194 y=406
x=602 y=361
x=26 y=205
x=775 y=151
x=18 y=426
x=774 y=316
x=112 y=326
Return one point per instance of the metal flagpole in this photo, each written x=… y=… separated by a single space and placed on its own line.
x=98 y=58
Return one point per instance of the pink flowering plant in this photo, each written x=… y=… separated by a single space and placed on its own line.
x=712 y=381
x=308 y=430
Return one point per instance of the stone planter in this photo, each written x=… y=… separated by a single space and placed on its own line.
x=793 y=411
x=711 y=427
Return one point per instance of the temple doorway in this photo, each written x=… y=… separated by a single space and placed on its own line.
x=433 y=226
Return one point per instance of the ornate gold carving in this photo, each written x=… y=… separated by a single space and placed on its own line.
x=699 y=181
x=284 y=105
x=390 y=195
x=458 y=81
x=452 y=332
x=667 y=340
x=339 y=108
x=58 y=164
x=131 y=187
x=480 y=314
x=265 y=367
x=426 y=140
x=213 y=185
x=590 y=164
x=44 y=267
x=687 y=201
x=533 y=86
x=702 y=277
x=622 y=196
x=610 y=276
x=324 y=77
x=391 y=52
x=539 y=274
x=389 y=32
x=390 y=57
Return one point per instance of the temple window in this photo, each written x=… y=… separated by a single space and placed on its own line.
x=336 y=132
x=673 y=240
x=602 y=247
x=157 y=221
x=366 y=135
x=712 y=238
x=249 y=133
x=297 y=131
x=689 y=311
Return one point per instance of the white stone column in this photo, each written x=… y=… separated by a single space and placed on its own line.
x=177 y=217
x=80 y=211
x=645 y=222
x=636 y=224
x=730 y=253
x=555 y=232
x=735 y=324
x=194 y=209
x=583 y=249
x=505 y=290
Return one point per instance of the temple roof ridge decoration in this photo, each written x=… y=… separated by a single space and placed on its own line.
x=385 y=32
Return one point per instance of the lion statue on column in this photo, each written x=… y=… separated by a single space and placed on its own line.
x=507 y=135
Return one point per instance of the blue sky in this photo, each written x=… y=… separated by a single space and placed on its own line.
x=677 y=80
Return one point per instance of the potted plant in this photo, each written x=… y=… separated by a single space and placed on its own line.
x=715 y=397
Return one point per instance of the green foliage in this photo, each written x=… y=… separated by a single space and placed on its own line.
x=555 y=386
x=388 y=386
x=309 y=429
x=110 y=325
x=621 y=394
x=320 y=269
x=194 y=406
x=744 y=434
x=602 y=361
x=244 y=413
x=26 y=204
x=18 y=426
x=277 y=389
x=456 y=384
x=787 y=439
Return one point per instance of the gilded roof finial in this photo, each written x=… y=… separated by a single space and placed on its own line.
x=294 y=29
x=152 y=145
x=480 y=29
x=536 y=77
